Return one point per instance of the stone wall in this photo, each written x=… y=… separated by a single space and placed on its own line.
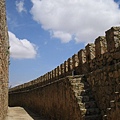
x=99 y=62
x=105 y=83
x=55 y=100
x=4 y=56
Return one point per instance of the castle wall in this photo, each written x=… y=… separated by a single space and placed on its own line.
x=4 y=55
x=105 y=83
x=55 y=100
x=99 y=62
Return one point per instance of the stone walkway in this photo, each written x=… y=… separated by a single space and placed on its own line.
x=18 y=113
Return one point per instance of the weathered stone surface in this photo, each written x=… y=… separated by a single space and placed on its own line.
x=4 y=56
x=100 y=46
x=51 y=101
x=90 y=52
x=113 y=38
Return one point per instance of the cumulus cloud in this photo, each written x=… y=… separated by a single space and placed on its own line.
x=65 y=37
x=21 y=48
x=20 y=6
x=79 y=18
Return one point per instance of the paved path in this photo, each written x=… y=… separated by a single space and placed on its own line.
x=18 y=113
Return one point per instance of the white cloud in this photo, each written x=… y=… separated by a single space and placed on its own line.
x=21 y=49
x=20 y=6
x=83 y=19
x=65 y=37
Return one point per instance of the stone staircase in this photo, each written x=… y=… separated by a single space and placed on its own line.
x=85 y=98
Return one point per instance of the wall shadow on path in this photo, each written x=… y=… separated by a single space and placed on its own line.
x=35 y=116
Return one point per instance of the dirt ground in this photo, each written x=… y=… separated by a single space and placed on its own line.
x=19 y=113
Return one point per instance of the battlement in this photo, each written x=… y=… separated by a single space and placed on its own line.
x=104 y=51
x=82 y=87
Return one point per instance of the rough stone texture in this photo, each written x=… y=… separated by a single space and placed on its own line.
x=100 y=46
x=90 y=52
x=53 y=100
x=113 y=38
x=63 y=98
x=4 y=54
x=105 y=82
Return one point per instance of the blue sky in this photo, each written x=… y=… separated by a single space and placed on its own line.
x=45 y=33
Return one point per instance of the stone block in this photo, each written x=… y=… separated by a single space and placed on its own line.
x=70 y=64
x=66 y=66
x=82 y=56
x=75 y=60
x=100 y=46
x=113 y=38
x=90 y=52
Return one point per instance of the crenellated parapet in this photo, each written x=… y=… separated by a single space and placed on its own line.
x=104 y=51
